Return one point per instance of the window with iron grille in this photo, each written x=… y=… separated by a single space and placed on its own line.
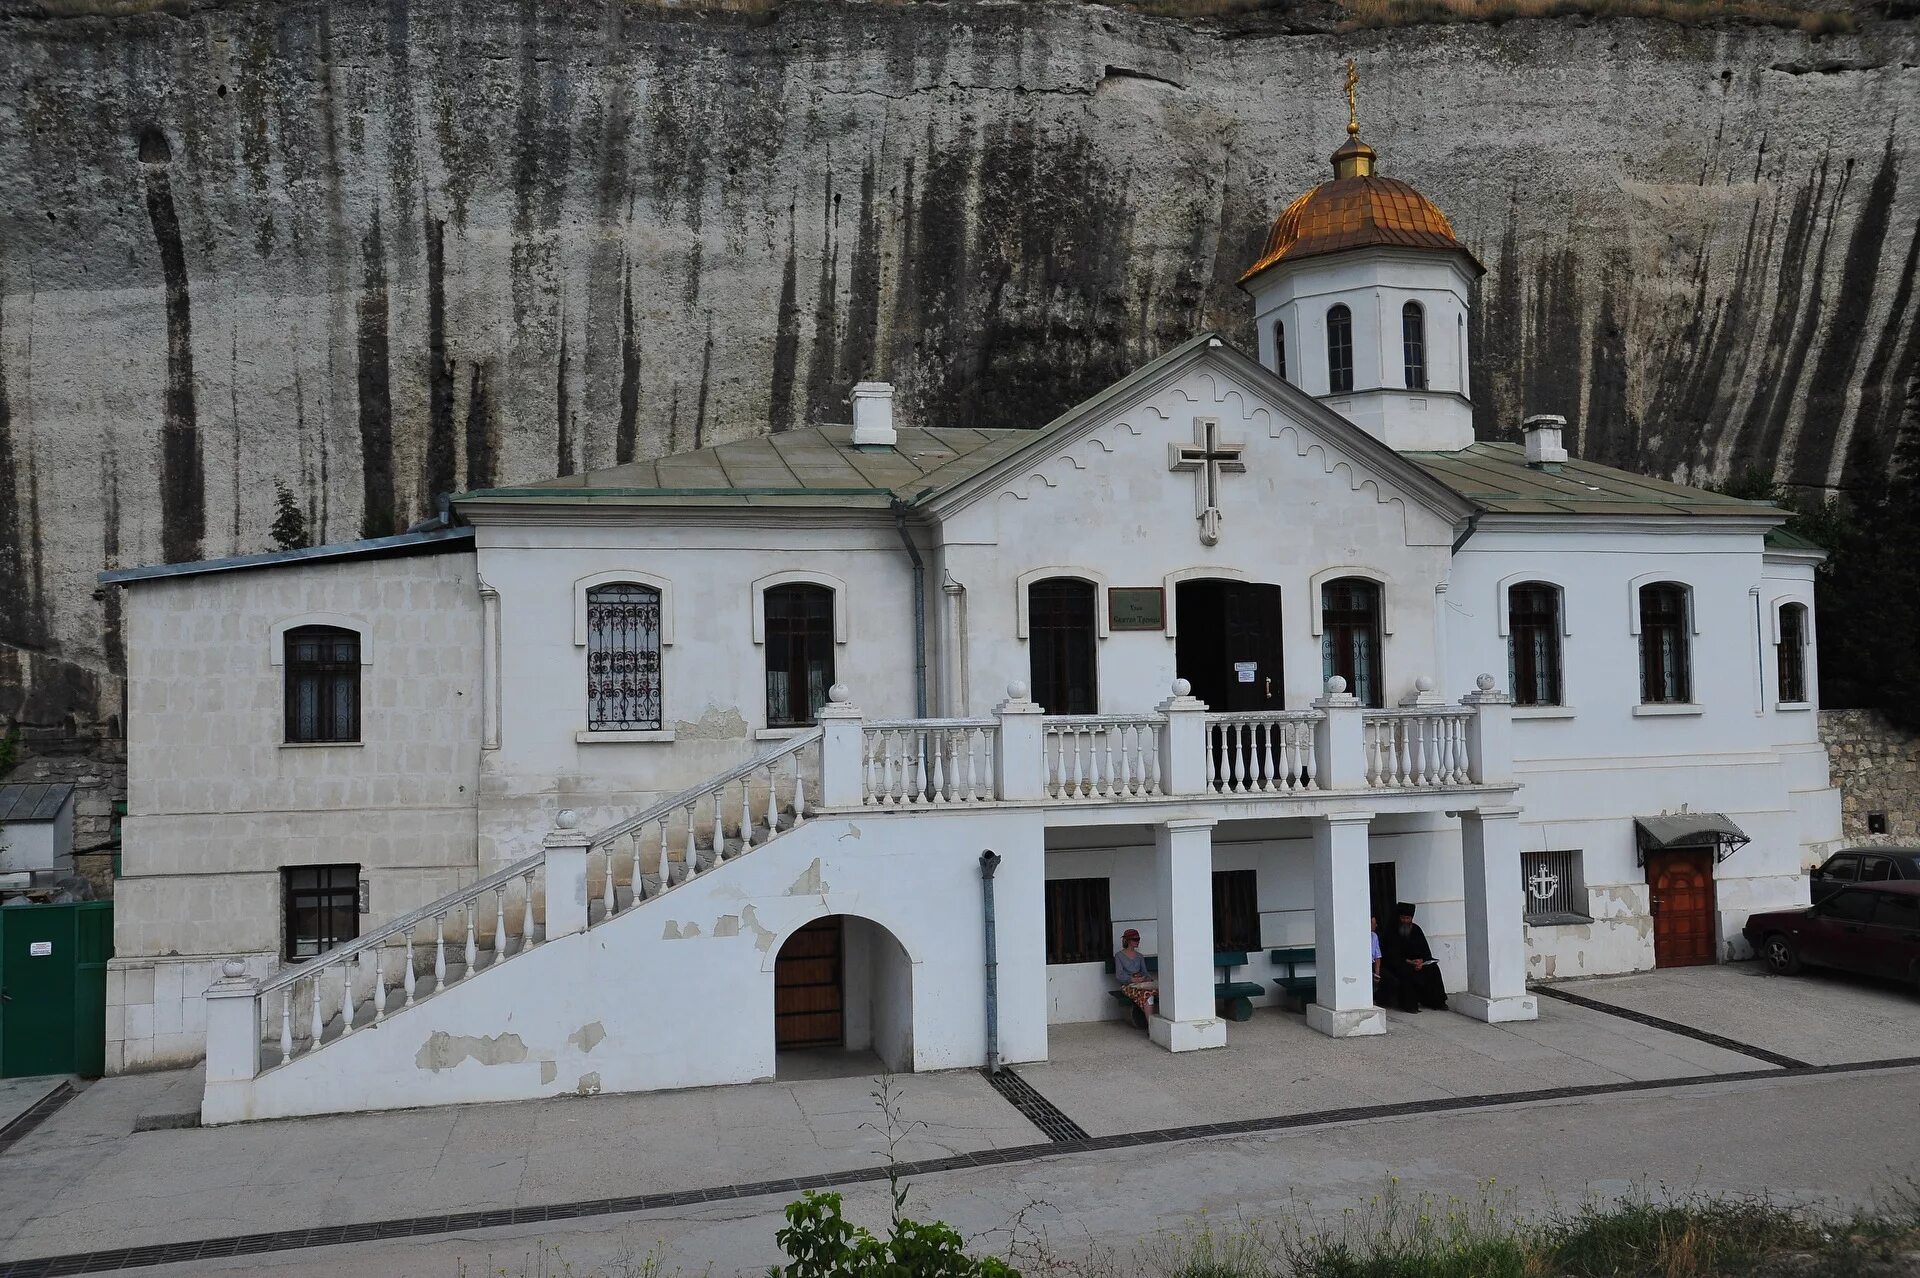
x=323 y=684
x=1350 y=636
x=1339 y=350
x=1554 y=890
x=1236 y=910
x=1079 y=921
x=1533 y=646
x=1413 y=342
x=322 y=905
x=799 y=621
x=1060 y=645
x=1792 y=652
x=623 y=658
x=1280 y=349
x=1665 y=673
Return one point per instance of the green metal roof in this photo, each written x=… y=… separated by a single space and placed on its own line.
x=1496 y=477
x=1784 y=538
x=811 y=466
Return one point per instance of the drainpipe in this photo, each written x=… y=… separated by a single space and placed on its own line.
x=919 y=609
x=989 y=862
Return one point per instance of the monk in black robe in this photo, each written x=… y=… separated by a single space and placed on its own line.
x=1411 y=976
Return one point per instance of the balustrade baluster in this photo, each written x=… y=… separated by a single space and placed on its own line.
x=799 y=791
x=1401 y=752
x=473 y=941
x=316 y=1023
x=936 y=740
x=526 y=915
x=1050 y=762
x=868 y=777
x=773 y=799
x=1107 y=785
x=406 y=970
x=286 y=1022
x=1233 y=758
x=439 y=952
x=499 y=924
x=1150 y=759
x=1429 y=751
x=746 y=812
x=346 y=997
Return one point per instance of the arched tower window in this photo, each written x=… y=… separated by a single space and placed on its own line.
x=1339 y=350
x=1792 y=652
x=1280 y=348
x=1413 y=342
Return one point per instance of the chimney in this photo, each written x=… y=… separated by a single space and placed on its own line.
x=1542 y=432
x=873 y=415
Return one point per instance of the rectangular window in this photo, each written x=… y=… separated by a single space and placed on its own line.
x=1350 y=636
x=623 y=658
x=1280 y=349
x=322 y=907
x=1665 y=665
x=1060 y=643
x=1533 y=622
x=1236 y=910
x=323 y=684
x=1339 y=350
x=1413 y=339
x=1555 y=892
x=1079 y=921
x=799 y=621
x=1792 y=653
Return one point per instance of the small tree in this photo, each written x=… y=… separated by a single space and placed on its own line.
x=289 y=521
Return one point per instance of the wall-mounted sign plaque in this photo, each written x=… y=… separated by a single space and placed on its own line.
x=1136 y=608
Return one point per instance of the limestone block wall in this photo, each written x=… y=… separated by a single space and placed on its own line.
x=98 y=777
x=1877 y=767
x=219 y=803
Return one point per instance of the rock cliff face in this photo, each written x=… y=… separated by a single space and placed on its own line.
x=376 y=251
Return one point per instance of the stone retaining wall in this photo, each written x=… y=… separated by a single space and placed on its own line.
x=1877 y=767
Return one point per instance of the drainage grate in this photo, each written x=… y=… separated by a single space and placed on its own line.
x=1040 y=1111
x=35 y=1114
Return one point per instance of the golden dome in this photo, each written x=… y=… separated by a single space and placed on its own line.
x=1358 y=209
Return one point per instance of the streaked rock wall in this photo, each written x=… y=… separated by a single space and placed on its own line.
x=377 y=251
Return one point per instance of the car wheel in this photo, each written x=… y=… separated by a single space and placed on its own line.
x=1780 y=955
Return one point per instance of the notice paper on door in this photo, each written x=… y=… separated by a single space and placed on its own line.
x=39 y=949
x=1244 y=670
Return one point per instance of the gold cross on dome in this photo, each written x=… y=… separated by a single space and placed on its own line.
x=1208 y=458
x=1353 y=100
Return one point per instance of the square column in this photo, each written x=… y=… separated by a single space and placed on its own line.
x=1496 y=919
x=1183 y=880
x=1342 y=1004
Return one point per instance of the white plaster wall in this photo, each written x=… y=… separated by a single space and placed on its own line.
x=218 y=803
x=1109 y=508
x=562 y=1018
x=713 y=673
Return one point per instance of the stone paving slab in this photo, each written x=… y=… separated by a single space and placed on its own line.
x=1824 y=1018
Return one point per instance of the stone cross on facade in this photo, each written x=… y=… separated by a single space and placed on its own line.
x=1208 y=458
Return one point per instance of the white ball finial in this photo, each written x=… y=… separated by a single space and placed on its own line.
x=839 y=694
x=233 y=969
x=1484 y=683
x=1181 y=688
x=567 y=819
x=1016 y=691
x=1423 y=684
x=1336 y=685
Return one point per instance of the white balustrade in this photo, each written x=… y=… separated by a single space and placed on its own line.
x=1105 y=757
x=1265 y=752
x=927 y=762
x=1412 y=749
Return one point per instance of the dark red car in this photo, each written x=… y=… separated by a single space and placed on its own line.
x=1871 y=928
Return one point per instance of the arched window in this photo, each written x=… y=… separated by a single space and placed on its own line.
x=1350 y=635
x=1791 y=652
x=323 y=684
x=1060 y=645
x=1533 y=651
x=1665 y=663
x=623 y=658
x=799 y=625
x=1413 y=343
x=1280 y=348
x=1339 y=350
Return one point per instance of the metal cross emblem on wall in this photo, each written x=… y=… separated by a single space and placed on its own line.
x=1208 y=458
x=1544 y=883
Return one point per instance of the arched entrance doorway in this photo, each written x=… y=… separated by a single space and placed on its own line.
x=842 y=987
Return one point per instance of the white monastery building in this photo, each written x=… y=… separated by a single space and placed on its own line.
x=640 y=778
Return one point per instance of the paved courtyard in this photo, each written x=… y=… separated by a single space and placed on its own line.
x=85 y=1179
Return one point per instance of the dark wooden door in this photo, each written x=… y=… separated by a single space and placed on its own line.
x=807 y=988
x=1681 y=880
x=1382 y=893
x=1229 y=643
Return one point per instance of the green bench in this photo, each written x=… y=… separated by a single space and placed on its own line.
x=1295 y=986
x=1233 y=999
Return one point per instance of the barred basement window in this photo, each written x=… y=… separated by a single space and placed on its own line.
x=323 y=684
x=1554 y=890
x=1236 y=910
x=1339 y=350
x=623 y=658
x=322 y=904
x=1079 y=921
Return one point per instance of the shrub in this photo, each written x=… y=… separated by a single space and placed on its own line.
x=821 y=1243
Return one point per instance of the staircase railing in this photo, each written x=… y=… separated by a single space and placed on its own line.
x=353 y=984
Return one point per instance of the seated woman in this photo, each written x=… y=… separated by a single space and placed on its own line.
x=1130 y=965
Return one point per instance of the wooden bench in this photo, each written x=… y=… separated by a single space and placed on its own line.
x=1295 y=986
x=1232 y=999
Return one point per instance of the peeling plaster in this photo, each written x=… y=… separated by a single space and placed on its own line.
x=810 y=882
x=444 y=1051
x=718 y=723
x=588 y=1036
x=548 y=1072
x=763 y=938
x=680 y=932
x=589 y=1084
x=727 y=925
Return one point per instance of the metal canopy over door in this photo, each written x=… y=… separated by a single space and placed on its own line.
x=808 y=993
x=1681 y=880
x=1228 y=646
x=53 y=988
